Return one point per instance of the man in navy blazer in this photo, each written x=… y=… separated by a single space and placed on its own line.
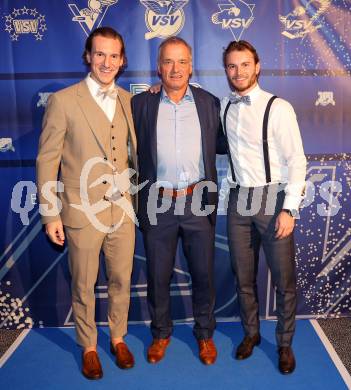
x=176 y=132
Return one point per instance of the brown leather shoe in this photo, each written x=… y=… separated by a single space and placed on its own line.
x=124 y=358
x=287 y=362
x=246 y=347
x=91 y=366
x=157 y=350
x=207 y=351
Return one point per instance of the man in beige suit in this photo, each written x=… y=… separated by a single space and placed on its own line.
x=88 y=140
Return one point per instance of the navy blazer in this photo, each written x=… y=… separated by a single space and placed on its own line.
x=145 y=111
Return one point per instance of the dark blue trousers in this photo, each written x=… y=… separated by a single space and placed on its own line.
x=160 y=241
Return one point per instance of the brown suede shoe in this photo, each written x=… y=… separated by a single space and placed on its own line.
x=157 y=350
x=246 y=347
x=287 y=362
x=207 y=351
x=91 y=366
x=124 y=358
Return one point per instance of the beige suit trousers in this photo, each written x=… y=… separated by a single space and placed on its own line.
x=84 y=246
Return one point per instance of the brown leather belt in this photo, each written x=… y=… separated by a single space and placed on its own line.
x=177 y=193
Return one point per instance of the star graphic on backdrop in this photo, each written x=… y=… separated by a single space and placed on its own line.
x=16 y=12
x=8 y=28
x=9 y=18
x=41 y=18
x=25 y=10
x=14 y=37
x=43 y=27
x=33 y=12
x=38 y=37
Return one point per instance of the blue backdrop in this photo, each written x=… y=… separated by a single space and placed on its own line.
x=305 y=49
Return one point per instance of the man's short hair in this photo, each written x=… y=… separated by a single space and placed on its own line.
x=107 y=32
x=174 y=40
x=239 y=46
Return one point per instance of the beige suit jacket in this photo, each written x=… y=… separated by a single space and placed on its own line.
x=74 y=131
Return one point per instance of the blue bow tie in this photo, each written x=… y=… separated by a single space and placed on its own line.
x=235 y=99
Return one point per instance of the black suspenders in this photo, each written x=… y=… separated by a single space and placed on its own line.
x=264 y=139
x=226 y=137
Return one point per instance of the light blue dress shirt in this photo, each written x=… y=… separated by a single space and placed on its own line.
x=179 y=147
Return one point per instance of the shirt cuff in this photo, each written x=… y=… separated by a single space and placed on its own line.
x=292 y=202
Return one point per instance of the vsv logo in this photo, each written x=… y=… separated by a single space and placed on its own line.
x=92 y=15
x=164 y=18
x=25 y=26
x=297 y=24
x=236 y=16
x=25 y=21
x=304 y=19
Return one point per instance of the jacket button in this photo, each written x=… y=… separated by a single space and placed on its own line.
x=104 y=182
x=113 y=137
x=114 y=159
x=112 y=126
x=113 y=148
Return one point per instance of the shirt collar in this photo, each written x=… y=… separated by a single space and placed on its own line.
x=95 y=86
x=188 y=97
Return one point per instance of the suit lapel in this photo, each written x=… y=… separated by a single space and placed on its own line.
x=127 y=114
x=201 y=108
x=96 y=118
x=125 y=105
x=153 y=103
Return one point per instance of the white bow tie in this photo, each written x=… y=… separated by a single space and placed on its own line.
x=111 y=93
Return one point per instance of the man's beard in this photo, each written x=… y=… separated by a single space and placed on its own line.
x=249 y=84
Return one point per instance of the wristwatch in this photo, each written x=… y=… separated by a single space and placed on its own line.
x=292 y=212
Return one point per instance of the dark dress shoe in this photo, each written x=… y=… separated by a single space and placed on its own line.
x=287 y=362
x=157 y=350
x=91 y=366
x=207 y=351
x=124 y=358
x=246 y=347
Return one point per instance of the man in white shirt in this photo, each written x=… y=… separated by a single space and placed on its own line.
x=92 y=120
x=267 y=169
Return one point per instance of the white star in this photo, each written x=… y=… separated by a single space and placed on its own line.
x=42 y=27
x=15 y=12
x=38 y=37
x=14 y=37
x=25 y=10
x=8 y=28
x=9 y=18
x=33 y=11
x=41 y=18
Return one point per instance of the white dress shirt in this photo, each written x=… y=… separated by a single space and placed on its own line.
x=107 y=104
x=286 y=155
